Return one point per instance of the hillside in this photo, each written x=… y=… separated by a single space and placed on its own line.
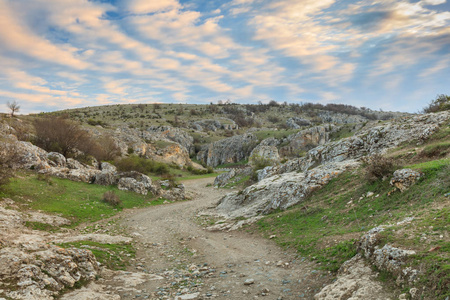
x=348 y=191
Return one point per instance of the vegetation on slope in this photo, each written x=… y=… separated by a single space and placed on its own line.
x=79 y=202
x=326 y=226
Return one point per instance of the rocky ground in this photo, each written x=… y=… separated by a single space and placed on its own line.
x=177 y=258
x=189 y=262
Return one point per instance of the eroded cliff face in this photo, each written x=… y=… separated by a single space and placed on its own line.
x=229 y=150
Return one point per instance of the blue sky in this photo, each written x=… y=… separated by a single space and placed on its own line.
x=383 y=54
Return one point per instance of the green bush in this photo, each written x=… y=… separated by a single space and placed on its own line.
x=441 y=103
x=141 y=165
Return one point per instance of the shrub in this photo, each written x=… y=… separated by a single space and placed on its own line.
x=111 y=198
x=141 y=165
x=379 y=167
x=61 y=135
x=273 y=119
x=440 y=103
x=106 y=149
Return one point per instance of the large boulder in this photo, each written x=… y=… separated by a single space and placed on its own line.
x=31 y=156
x=268 y=154
x=229 y=150
x=404 y=178
x=56 y=159
x=135 y=182
x=279 y=192
x=306 y=139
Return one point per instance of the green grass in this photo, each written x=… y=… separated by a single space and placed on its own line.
x=77 y=201
x=436 y=150
x=323 y=226
x=345 y=131
x=113 y=256
x=191 y=177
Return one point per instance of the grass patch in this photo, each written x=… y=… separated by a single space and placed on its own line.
x=79 y=202
x=41 y=226
x=345 y=131
x=436 y=150
x=325 y=225
x=114 y=256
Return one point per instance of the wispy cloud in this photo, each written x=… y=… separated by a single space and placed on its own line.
x=78 y=52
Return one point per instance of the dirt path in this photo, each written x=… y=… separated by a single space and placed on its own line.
x=198 y=264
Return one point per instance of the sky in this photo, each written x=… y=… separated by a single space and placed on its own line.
x=392 y=55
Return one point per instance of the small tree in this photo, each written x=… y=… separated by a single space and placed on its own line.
x=13 y=107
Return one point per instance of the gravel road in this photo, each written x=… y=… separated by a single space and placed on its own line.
x=194 y=263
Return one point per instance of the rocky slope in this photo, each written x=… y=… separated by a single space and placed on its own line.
x=284 y=185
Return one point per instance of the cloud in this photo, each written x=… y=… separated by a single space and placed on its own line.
x=146 y=6
x=17 y=37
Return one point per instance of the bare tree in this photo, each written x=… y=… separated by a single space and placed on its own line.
x=14 y=107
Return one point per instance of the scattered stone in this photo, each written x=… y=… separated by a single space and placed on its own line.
x=249 y=281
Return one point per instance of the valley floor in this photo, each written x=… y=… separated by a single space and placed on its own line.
x=189 y=262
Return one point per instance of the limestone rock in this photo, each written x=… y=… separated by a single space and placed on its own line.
x=366 y=142
x=279 y=192
x=229 y=150
x=135 y=182
x=405 y=178
x=297 y=123
x=41 y=274
x=214 y=125
x=31 y=156
x=171 y=133
x=387 y=258
x=267 y=153
x=355 y=280
x=56 y=159
x=340 y=118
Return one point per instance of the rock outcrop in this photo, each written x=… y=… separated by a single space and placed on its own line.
x=340 y=118
x=306 y=139
x=405 y=178
x=135 y=182
x=366 y=142
x=231 y=176
x=355 y=280
x=266 y=151
x=279 y=192
x=229 y=150
x=388 y=258
x=214 y=125
x=297 y=123
x=172 y=134
x=31 y=267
